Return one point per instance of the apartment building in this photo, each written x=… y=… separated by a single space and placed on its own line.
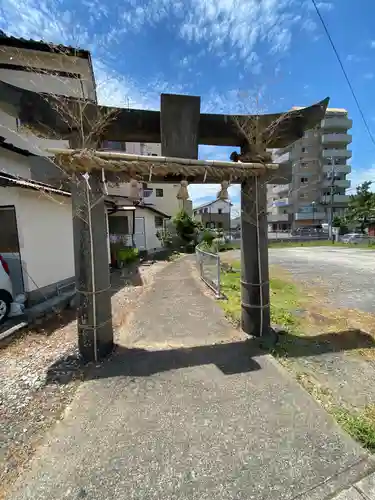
x=319 y=165
x=162 y=196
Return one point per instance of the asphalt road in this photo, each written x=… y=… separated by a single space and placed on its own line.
x=348 y=275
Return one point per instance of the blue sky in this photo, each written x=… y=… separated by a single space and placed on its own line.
x=228 y=52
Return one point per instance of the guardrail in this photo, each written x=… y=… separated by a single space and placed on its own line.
x=208 y=264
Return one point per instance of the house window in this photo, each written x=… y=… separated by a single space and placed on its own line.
x=220 y=225
x=159 y=193
x=206 y=210
x=219 y=211
x=158 y=221
x=304 y=180
x=114 y=145
x=303 y=150
x=302 y=196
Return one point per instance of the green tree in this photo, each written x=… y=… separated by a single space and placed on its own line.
x=361 y=207
x=186 y=228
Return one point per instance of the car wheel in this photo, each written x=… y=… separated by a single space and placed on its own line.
x=5 y=302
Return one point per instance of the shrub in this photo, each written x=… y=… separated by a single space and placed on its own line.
x=127 y=255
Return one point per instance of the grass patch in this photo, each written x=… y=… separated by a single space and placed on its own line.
x=318 y=243
x=283 y=296
x=358 y=425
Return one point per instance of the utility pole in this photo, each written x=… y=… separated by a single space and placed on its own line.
x=330 y=208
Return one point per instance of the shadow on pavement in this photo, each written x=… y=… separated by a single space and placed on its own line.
x=232 y=358
x=302 y=346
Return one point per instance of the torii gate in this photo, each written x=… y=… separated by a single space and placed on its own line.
x=180 y=128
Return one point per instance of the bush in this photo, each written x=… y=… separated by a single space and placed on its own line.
x=186 y=228
x=127 y=255
x=165 y=238
x=208 y=237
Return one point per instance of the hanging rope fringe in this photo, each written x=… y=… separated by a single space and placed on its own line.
x=183 y=193
x=223 y=193
x=134 y=189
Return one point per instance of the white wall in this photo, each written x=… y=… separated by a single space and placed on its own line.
x=45 y=235
x=214 y=207
x=81 y=85
x=152 y=242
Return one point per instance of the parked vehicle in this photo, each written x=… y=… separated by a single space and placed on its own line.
x=355 y=238
x=6 y=290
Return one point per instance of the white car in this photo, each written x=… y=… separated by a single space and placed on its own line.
x=6 y=290
x=355 y=238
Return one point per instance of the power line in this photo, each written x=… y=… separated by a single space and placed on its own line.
x=344 y=72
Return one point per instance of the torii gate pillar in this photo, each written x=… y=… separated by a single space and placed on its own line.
x=255 y=293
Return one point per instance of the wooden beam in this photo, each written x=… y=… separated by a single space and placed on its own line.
x=135 y=125
x=179 y=125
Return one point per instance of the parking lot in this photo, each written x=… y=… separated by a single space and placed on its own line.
x=347 y=275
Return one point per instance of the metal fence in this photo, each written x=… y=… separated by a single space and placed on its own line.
x=209 y=269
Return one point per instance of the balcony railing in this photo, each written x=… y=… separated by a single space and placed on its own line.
x=283 y=202
x=340 y=169
x=337 y=198
x=337 y=123
x=281 y=188
x=310 y=216
x=341 y=183
x=336 y=138
x=278 y=218
x=337 y=153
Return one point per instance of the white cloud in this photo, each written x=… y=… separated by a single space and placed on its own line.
x=240 y=24
x=327 y=6
x=368 y=76
x=358 y=176
x=372 y=44
x=354 y=58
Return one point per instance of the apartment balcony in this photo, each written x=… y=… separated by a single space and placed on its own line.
x=340 y=169
x=337 y=198
x=278 y=218
x=337 y=153
x=310 y=216
x=284 y=158
x=336 y=139
x=280 y=188
x=282 y=202
x=341 y=183
x=337 y=122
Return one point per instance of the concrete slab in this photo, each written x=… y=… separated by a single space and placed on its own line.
x=200 y=413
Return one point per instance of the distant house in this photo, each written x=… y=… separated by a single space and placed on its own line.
x=214 y=215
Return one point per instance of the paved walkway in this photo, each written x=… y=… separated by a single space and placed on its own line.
x=188 y=410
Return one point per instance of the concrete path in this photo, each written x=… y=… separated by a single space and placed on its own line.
x=188 y=410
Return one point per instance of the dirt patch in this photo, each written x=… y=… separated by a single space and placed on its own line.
x=31 y=399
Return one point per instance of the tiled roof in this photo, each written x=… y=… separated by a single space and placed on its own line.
x=23 y=43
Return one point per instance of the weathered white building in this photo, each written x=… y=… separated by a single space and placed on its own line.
x=35 y=201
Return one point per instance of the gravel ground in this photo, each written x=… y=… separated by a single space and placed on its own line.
x=347 y=275
x=30 y=400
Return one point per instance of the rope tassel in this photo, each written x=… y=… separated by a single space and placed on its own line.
x=183 y=193
x=223 y=193
x=134 y=189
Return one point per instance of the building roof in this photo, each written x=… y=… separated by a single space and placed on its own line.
x=13 y=141
x=9 y=180
x=210 y=203
x=23 y=43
